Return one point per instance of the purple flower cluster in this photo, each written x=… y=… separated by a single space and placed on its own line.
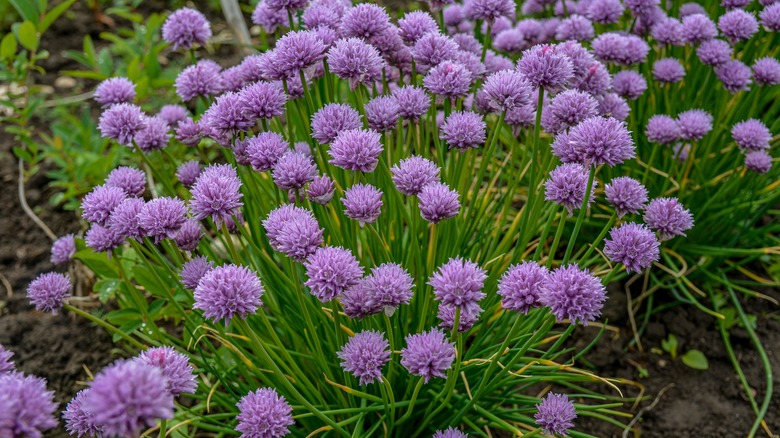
x=264 y=413
x=364 y=355
x=228 y=291
x=428 y=354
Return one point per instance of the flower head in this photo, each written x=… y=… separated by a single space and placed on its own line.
x=463 y=130
x=458 y=282
x=365 y=20
x=668 y=31
x=568 y=109
x=751 y=135
x=269 y=18
x=263 y=100
x=633 y=245
x=428 y=354
x=186 y=27
x=161 y=218
x=433 y=48
x=175 y=368
x=227 y=291
x=414 y=25
x=662 y=129
x=49 y=291
x=448 y=79
x=364 y=355
x=490 y=10
x=520 y=286
x=189 y=235
x=78 y=421
x=201 y=79
x=363 y=202
x=124 y=220
x=382 y=113
x=189 y=132
x=299 y=237
x=100 y=202
x=469 y=314
x=668 y=70
x=114 y=90
x=766 y=71
x=546 y=67
x=758 y=161
x=265 y=149
x=573 y=293
x=738 y=25
x=101 y=238
x=298 y=50
x=626 y=195
x=356 y=149
x=629 y=84
x=714 y=52
x=293 y=170
x=26 y=407
x=555 y=414
x=734 y=75
x=173 y=114
x=321 y=189
x=63 y=249
x=264 y=414
x=193 y=270
x=612 y=105
x=602 y=140
x=575 y=27
x=507 y=90
x=668 y=217
x=331 y=270
x=332 y=119
x=216 y=193
x=226 y=116
x=412 y=174
x=449 y=433
x=770 y=17
x=121 y=122
x=188 y=172
x=438 y=202
x=567 y=186
x=412 y=102
x=694 y=124
x=355 y=61
x=154 y=135
x=698 y=28
x=388 y=286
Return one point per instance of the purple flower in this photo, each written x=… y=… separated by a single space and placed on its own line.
x=269 y=18
x=449 y=433
x=463 y=130
x=511 y=41
x=546 y=67
x=364 y=355
x=193 y=270
x=293 y=170
x=121 y=122
x=568 y=109
x=100 y=202
x=6 y=364
x=555 y=414
x=668 y=217
x=448 y=79
x=668 y=31
x=175 y=368
x=734 y=75
x=612 y=105
x=520 y=286
x=751 y=135
x=490 y=10
x=188 y=173
x=507 y=90
x=114 y=90
x=320 y=14
x=263 y=100
x=668 y=70
x=363 y=202
x=602 y=140
x=633 y=245
x=458 y=282
x=412 y=102
x=354 y=60
x=331 y=119
x=279 y=217
x=356 y=149
x=412 y=174
x=414 y=25
x=227 y=291
x=189 y=132
x=428 y=354
x=226 y=116
x=154 y=134
x=127 y=397
x=567 y=185
x=365 y=20
x=298 y=50
x=287 y=5
x=694 y=124
x=124 y=220
x=299 y=237
x=63 y=250
x=101 y=239
x=49 y=291
x=78 y=421
x=472 y=63
x=201 y=79
x=321 y=189
x=731 y=4
x=469 y=314
x=758 y=161
x=356 y=302
x=162 y=217
x=575 y=27
x=629 y=84
x=433 y=48
x=186 y=27
x=467 y=42
x=766 y=71
x=264 y=414
x=388 y=286
x=662 y=129
x=265 y=149
x=698 y=28
x=737 y=25
x=26 y=407
x=714 y=52
x=626 y=195
x=438 y=202
x=495 y=63
x=189 y=235
x=217 y=193
x=173 y=114
x=691 y=8
x=331 y=270
x=382 y=113
x=770 y=17
x=573 y=293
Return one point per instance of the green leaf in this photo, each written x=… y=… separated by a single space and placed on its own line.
x=124 y=316
x=55 y=13
x=670 y=345
x=28 y=36
x=695 y=359
x=98 y=262
x=128 y=328
x=107 y=289
x=27 y=9
x=8 y=46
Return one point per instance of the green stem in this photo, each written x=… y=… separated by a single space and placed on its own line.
x=581 y=216
x=105 y=325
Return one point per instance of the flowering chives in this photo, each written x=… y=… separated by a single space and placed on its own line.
x=228 y=291
x=364 y=355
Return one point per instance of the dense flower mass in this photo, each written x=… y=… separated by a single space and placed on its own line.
x=555 y=414
x=362 y=202
x=668 y=217
x=121 y=122
x=115 y=90
x=356 y=149
x=633 y=245
x=458 y=282
x=175 y=368
x=574 y=294
x=364 y=355
x=412 y=174
x=186 y=27
x=520 y=286
x=428 y=354
x=228 y=291
x=567 y=185
x=26 y=406
x=48 y=291
x=330 y=271
x=264 y=414
x=626 y=195
x=464 y=130
x=602 y=140
x=63 y=249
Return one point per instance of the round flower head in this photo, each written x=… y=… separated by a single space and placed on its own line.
x=758 y=161
x=751 y=135
x=63 y=250
x=555 y=414
x=186 y=27
x=287 y=5
x=433 y=48
x=131 y=180
x=662 y=129
x=467 y=43
x=154 y=134
x=124 y=220
x=121 y=122
x=629 y=84
x=357 y=303
x=691 y=8
x=363 y=202
x=299 y=237
x=298 y=50
x=463 y=130
x=413 y=173
x=217 y=193
x=98 y=204
x=567 y=185
x=101 y=239
x=472 y=63
x=612 y=105
x=668 y=31
x=546 y=67
x=331 y=119
x=458 y=282
x=382 y=113
x=602 y=140
x=520 y=286
x=193 y=270
x=127 y=397
x=269 y=18
x=320 y=14
x=734 y=75
x=770 y=17
x=201 y=79
x=364 y=355
x=507 y=90
x=694 y=124
x=26 y=407
x=495 y=63
x=175 y=368
x=331 y=270
x=633 y=245
x=6 y=364
x=265 y=149
x=173 y=114
x=510 y=41
x=114 y=90
x=469 y=314
x=188 y=173
x=232 y=79
x=490 y=10
x=698 y=28
x=449 y=433
x=263 y=100
x=189 y=235
x=714 y=52
x=594 y=78
x=321 y=189
x=626 y=195
x=365 y=20
x=448 y=79
x=79 y=422
x=264 y=414
x=355 y=61
x=737 y=25
x=227 y=291
x=189 y=132
x=414 y=25
x=412 y=102
x=732 y=4
x=49 y=291
x=568 y=109
x=573 y=293
x=766 y=71
x=278 y=218
x=226 y=115
x=575 y=27
x=668 y=217
x=438 y=202
x=620 y=49
x=356 y=149
x=428 y=354
x=388 y=286
x=162 y=217
x=668 y=70
x=293 y=170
